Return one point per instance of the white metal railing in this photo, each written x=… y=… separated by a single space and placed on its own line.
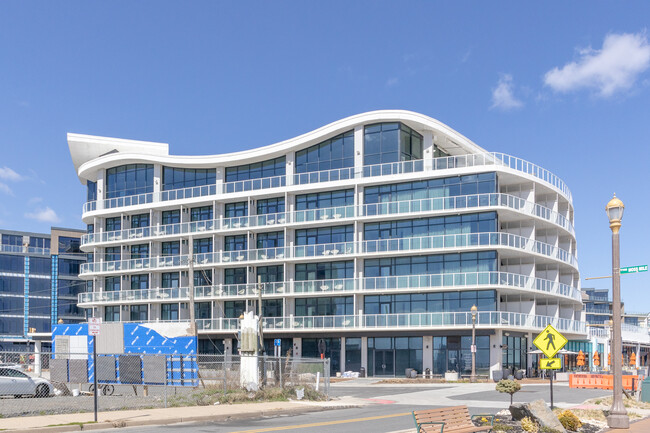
x=427 y=205
x=595 y=331
x=342 y=285
x=484 y=319
x=426 y=243
x=442 y=163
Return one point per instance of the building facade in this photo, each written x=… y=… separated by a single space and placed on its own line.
x=39 y=284
x=370 y=239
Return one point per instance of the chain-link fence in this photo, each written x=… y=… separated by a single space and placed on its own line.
x=48 y=383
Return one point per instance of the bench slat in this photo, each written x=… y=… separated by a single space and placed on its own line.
x=456 y=418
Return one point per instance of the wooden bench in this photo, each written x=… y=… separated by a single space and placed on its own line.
x=454 y=419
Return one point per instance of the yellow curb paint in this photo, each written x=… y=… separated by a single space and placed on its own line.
x=320 y=424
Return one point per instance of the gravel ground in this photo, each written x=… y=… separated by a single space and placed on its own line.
x=124 y=397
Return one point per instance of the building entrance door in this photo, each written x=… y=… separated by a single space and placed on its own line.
x=384 y=363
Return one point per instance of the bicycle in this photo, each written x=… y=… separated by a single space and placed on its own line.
x=105 y=389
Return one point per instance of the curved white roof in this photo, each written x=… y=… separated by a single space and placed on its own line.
x=91 y=153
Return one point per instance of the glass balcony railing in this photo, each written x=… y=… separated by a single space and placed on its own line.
x=389 y=169
x=484 y=319
x=334 y=214
x=395 y=284
x=24 y=250
x=340 y=249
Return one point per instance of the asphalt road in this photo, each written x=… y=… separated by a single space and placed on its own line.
x=388 y=408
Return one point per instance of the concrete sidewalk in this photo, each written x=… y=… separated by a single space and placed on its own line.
x=164 y=416
x=641 y=426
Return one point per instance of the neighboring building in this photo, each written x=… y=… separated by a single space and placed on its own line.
x=634 y=330
x=372 y=238
x=39 y=284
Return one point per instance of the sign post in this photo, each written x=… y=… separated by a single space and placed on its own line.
x=550 y=341
x=93 y=329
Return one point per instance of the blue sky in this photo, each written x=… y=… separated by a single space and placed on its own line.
x=563 y=85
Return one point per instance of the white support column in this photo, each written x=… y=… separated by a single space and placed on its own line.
x=342 y=360
x=496 y=353
x=364 y=354
x=101 y=193
x=297 y=347
x=37 y=358
x=157 y=180
x=358 y=147
x=427 y=150
x=290 y=167
x=427 y=353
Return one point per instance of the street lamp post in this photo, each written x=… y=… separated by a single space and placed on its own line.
x=617 y=414
x=472 y=378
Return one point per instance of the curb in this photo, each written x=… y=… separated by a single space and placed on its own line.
x=118 y=423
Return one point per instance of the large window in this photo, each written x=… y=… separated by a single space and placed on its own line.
x=270 y=274
x=170 y=280
x=40 y=266
x=12 y=284
x=112 y=313
x=68 y=245
x=112 y=284
x=324 y=271
x=270 y=205
x=325 y=235
x=14 y=264
x=390 y=142
x=69 y=267
x=431 y=264
x=270 y=240
x=440 y=302
x=234 y=309
x=139 y=282
x=13 y=240
x=140 y=220
x=203 y=277
x=435 y=226
x=45 y=243
x=112 y=254
x=203 y=213
x=175 y=178
x=131 y=179
x=203 y=245
x=202 y=311
x=514 y=352
x=238 y=209
x=91 y=194
x=235 y=276
x=169 y=311
x=140 y=251
x=235 y=243
x=171 y=248
x=270 y=168
x=113 y=224
x=433 y=188
x=138 y=313
x=325 y=199
x=454 y=353
x=325 y=306
x=171 y=216
x=337 y=152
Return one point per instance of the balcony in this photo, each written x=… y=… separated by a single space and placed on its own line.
x=342 y=286
x=370 y=171
x=334 y=214
x=405 y=321
x=339 y=249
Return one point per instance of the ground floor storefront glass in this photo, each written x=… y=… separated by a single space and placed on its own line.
x=330 y=347
x=515 y=351
x=454 y=353
x=391 y=356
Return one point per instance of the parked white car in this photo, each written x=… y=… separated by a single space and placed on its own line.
x=16 y=383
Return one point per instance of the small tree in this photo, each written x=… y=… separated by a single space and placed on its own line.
x=508 y=386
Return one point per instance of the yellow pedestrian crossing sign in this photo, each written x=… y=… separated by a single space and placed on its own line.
x=550 y=363
x=550 y=341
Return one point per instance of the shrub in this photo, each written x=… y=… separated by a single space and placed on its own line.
x=569 y=420
x=529 y=425
x=508 y=386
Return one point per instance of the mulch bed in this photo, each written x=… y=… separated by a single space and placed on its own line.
x=510 y=426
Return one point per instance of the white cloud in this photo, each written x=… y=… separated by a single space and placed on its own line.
x=44 y=215
x=392 y=82
x=502 y=95
x=5 y=188
x=8 y=174
x=613 y=68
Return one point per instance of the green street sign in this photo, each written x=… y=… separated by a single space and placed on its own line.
x=634 y=269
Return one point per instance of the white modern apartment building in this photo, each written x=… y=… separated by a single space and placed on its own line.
x=371 y=239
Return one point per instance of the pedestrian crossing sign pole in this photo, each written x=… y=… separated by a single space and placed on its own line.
x=550 y=341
